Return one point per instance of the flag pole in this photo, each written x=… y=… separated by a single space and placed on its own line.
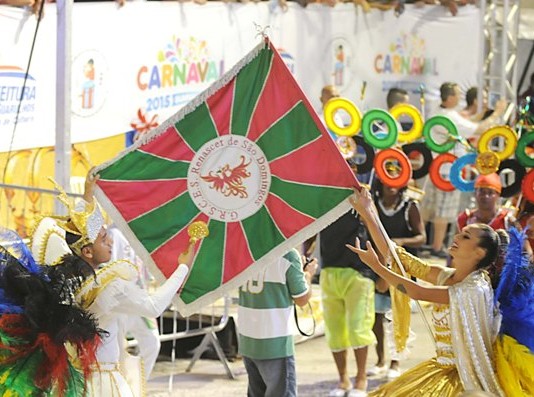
x=403 y=272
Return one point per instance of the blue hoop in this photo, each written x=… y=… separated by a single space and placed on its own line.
x=456 y=173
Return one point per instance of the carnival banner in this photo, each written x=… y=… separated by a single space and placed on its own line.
x=250 y=157
x=168 y=52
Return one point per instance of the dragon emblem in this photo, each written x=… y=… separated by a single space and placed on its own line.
x=229 y=181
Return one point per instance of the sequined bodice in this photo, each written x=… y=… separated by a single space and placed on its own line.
x=442 y=331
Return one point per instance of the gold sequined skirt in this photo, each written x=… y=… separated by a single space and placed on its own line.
x=428 y=379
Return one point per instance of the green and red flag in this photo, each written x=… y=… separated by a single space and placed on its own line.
x=250 y=157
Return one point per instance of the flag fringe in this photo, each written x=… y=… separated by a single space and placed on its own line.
x=191 y=106
x=187 y=309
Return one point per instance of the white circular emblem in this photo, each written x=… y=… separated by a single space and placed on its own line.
x=229 y=178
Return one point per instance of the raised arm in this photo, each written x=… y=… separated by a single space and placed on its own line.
x=126 y=297
x=434 y=294
x=90 y=183
x=363 y=203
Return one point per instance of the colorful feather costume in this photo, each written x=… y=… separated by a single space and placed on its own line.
x=38 y=321
x=514 y=349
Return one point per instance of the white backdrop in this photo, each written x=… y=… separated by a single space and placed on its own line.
x=158 y=55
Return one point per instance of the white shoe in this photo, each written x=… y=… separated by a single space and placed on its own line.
x=357 y=393
x=393 y=374
x=337 y=392
x=376 y=370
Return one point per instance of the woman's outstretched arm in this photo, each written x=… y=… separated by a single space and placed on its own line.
x=413 y=290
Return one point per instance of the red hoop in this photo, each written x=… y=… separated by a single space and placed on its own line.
x=404 y=176
x=435 y=176
x=528 y=186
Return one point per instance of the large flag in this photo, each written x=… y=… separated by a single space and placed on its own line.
x=250 y=157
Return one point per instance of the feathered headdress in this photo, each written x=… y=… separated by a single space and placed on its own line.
x=36 y=323
x=515 y=292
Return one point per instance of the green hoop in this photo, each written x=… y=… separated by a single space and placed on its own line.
x=520 y=152
x=379 y=115
x=448 y=125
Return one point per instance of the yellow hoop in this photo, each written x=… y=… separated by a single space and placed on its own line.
x=411 y=111
x=510 y=138
x=330 y=109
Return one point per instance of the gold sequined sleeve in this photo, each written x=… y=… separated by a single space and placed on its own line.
x=412 y=264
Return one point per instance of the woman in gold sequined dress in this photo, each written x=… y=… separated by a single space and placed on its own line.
x=465 y=318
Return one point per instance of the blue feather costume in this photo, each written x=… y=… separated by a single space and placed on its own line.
x=514 y=349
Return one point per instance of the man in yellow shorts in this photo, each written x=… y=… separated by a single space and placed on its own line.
x=348 y=290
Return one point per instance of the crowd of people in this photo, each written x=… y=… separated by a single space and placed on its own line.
x=479 y=217
x=397 y=6
x=370 y=270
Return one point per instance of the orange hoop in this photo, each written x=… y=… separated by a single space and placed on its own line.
x=404 y=176
x=435 y=176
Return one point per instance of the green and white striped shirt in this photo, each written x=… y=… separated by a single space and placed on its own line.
x=265 y=314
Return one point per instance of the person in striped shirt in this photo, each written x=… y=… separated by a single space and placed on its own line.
x=265 y=324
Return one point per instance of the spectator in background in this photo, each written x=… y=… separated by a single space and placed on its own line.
x=441 y=208
x=347 y=290
x=402 y=221
x=397 y=96
x=33 y=5
x=265 y=317
x=143 y=329
x=470 y=112
x=526 y=220
x=489 y=211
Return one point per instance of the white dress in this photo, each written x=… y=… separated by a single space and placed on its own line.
x=111 y=297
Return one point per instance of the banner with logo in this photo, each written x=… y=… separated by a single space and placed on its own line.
x=365 y=54
x=250 y=157
x=157 y=56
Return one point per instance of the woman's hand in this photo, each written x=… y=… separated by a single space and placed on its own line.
x=369 y=256
x=362 y=202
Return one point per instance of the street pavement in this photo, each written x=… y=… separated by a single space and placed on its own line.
x=316 y=372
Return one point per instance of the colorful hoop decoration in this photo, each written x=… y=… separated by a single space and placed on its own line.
x=521 y=152
x=419 y=147
x=404 y=176
x=330 y=109
x=411 y=111
x=528 y=186
x=456 y=173
x=519 y=174
x=367 y=165
x=367 y=123
x=434 y=174
x=446 y=123
x=510 y=138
